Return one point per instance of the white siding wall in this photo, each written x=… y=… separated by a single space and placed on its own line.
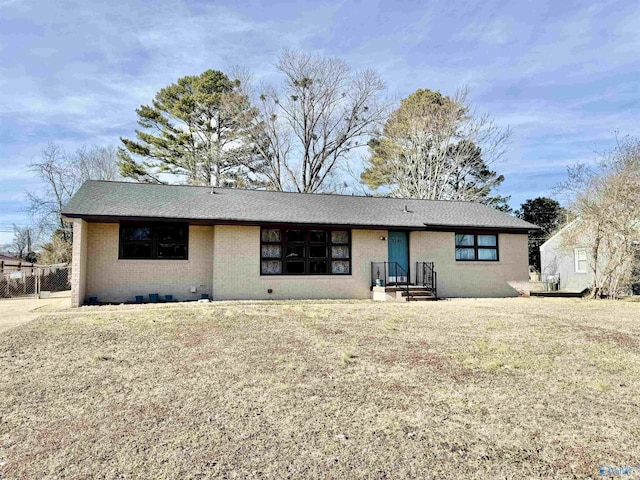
x=556 y=258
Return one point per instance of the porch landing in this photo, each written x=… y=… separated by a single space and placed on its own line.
x=406 y=293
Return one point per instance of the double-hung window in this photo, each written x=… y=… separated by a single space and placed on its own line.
x=476 y=247
x=305 y=251
x=580 y=256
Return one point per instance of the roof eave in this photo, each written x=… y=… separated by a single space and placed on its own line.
x=486 y=228
x=232 y=221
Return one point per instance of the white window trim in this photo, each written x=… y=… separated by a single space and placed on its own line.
x=577 y=259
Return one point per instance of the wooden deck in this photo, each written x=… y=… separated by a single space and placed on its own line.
x=558 y=293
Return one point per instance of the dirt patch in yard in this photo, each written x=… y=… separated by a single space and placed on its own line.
x=515 y=388
x=603 y=335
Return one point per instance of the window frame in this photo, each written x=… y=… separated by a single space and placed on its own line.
x=577 y=260
x=307 y=244
x=476 y=248
x=155 y=227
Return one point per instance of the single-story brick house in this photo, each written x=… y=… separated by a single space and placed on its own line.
x=135 y=239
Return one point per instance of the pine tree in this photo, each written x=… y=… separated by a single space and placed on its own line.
x=192 y=129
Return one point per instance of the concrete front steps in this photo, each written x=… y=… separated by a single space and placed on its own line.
x=416 y=293
x=420 y=296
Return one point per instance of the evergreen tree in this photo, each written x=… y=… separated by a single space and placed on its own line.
x=192 y=128
x=549 y=216
x=434 y=147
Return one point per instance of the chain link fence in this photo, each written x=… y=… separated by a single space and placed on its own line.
x=35 y=280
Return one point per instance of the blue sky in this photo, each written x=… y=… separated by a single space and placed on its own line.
x=563 y=75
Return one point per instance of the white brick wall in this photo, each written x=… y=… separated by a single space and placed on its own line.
x=114 y=280
x=473 y=279
x=79 y=262
x=236 y=273
x=224 y=262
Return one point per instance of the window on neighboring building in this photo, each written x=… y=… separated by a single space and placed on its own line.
x=158 y=241
x=305 y=251
x=580 y=255
x=476 y=247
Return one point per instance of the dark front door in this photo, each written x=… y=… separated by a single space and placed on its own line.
x=398 y=254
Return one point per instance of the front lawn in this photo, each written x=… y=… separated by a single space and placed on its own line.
x=507 y=388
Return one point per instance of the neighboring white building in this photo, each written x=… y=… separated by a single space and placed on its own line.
x=570 y=265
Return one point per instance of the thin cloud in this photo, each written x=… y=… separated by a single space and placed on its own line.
x=498 y=31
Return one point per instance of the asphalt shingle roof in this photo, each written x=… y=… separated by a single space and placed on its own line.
x=123 y=199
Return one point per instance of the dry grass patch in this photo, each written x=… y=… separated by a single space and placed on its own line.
x=460 y=389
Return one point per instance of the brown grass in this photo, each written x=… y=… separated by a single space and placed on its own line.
x=515 y=388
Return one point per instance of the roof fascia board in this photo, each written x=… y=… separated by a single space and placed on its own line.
x=202 y=221
x=474 y=228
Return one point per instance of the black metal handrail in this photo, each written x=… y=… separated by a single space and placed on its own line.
x=392 y=274
x=427 y=276
x=388 y=274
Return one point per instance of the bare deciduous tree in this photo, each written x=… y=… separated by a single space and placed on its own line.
x=304 y=130
x=606 y=201
x=437 y=147
x=24 y=239
x=59 y=182
x=95 y=163
x=62 y=174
